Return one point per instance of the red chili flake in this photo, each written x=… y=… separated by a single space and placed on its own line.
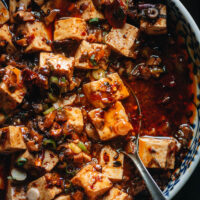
x=106 y=157
x=30 y=38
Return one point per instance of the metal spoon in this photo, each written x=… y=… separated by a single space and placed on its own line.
x=153 y=188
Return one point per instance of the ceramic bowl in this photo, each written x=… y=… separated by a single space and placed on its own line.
x=190 y=35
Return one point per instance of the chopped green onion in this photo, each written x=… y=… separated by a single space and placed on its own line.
x=54 y=79
x=49 y=142
x=105 y=33
x=68 y=186
x=52 y=97
x=82 y=146
x=98 y=74
x=21 y=161
x=63 y=79
x=49 y=110
x=74 y=148
x=94 y=20
x=92 y=60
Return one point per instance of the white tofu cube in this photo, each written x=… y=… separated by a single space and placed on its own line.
x=37 y=36
x=70 y=28
x=116 y=194
x=88 y=10
x=157 y=152
x=111 y=123
x=105 y=91
x=123 y=40
x=74 y=119
x=92 y=56
x=112 y=163
x=93 y=182
x=58 y=63
x=41 y=189
x=49 y=161
x=12 y=90
x=6 y=39
x=4 y=14
x=15 y=192
x=159 y=26
x=12 y=139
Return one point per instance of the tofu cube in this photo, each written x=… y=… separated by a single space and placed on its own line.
x=37 y=36
x=92 y=56
x=105 y=91
x=12 y=90
x=123 y=40
x=15 y=192
x=41 y=189
x=88 y=10
x=112 y=163
x=93 y=182
x=159 y=26
x=157 y=152
x=49 y=161
x=70 y=28
x=116 y=194
x=4 y=14
x=74 y=119
x=6 y=39
x=111 y=123
x=58 y=63
x=11 y=139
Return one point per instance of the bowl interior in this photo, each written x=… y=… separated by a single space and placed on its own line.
x=190 y=35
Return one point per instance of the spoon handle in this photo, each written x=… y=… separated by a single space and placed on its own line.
x=153 y=188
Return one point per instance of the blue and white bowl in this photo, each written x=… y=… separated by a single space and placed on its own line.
x=188 y=30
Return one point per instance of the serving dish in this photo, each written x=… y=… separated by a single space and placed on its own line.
x=190 y=34
x=84 y=116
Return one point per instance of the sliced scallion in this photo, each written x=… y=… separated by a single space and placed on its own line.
x=52 y=97
x=21 y=161
x=49 y=110
x=94 y=20
x=49 y=142
x=54 y=79
x=92 y=60
x=82 y=146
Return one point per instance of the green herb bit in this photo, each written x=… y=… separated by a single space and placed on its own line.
x=49 y=142
x=82 y=146
x=49 y=110
x=70 y=171
x=21 y=161
x=63 y=79
x=54 y=79
x=92 y=60
x=94 y=20
x=52 y=97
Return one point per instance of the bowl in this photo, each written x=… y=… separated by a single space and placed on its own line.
x=190 y=35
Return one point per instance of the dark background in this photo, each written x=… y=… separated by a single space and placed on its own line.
x=191 y=190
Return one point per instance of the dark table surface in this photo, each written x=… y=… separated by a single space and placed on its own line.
x=191 y=190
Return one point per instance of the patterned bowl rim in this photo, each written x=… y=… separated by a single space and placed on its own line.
x=195 y=162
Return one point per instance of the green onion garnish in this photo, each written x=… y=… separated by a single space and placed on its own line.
x=54 y=79
x=52 y=97
x=49 y=110
x=94 y=20
x=92 y=60
x=21 y=161
x=82 y=146
x=49 y=142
